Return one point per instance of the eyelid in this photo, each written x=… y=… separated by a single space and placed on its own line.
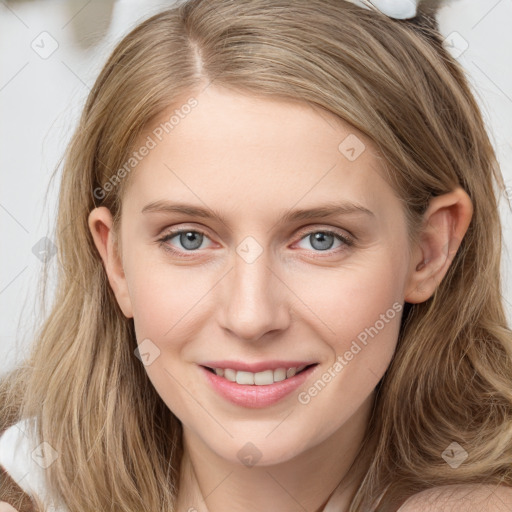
x=344 y=233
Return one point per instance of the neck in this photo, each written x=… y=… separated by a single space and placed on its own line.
x=326 y=474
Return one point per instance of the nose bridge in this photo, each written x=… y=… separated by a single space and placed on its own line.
x=254 y=300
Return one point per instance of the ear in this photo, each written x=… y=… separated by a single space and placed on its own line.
x=100 y=224
x=445 y=223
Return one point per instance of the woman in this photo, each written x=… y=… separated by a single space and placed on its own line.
x=279 y=273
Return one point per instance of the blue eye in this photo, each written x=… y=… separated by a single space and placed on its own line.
x=323 y=241
x=191 y=240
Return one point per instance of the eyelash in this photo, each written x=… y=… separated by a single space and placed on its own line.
x=347 y=241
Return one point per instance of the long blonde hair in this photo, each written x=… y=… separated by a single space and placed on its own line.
x=450 y=379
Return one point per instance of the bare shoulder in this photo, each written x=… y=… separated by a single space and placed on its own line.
x=461 y=498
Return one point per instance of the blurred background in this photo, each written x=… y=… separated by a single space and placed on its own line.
x=51 y=53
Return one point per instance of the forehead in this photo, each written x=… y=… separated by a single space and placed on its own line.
x=236 y=151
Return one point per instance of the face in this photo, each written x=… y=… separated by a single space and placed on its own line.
x=261 y=235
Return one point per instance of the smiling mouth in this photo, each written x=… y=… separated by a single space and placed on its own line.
x=263 y=378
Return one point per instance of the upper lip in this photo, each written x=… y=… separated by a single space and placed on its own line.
x=256 y=367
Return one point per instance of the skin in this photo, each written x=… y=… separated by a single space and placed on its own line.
x=252 y=159
x=462 y=497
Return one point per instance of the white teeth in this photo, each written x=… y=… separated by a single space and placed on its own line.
x=279 y=374
x=230 y=374
x=244 y=377
x=291 y=372
x=263 y=378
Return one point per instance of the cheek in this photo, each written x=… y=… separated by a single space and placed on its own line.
x=352 y=297
x=364 y=323
x=166 y=303
x=357 y=310
x=163 y=296
x=156 y=306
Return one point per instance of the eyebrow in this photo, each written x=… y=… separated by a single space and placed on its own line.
x=329 y=209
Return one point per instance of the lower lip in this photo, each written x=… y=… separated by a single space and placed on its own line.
x=254 y=396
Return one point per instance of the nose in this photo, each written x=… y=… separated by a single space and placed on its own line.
x=255 y=300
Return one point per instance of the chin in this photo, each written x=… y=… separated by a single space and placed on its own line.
x=260 y=452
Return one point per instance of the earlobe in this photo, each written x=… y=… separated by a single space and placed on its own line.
x=444 y=225
x=100 y=224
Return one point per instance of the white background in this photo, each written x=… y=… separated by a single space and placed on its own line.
x=41 y=98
